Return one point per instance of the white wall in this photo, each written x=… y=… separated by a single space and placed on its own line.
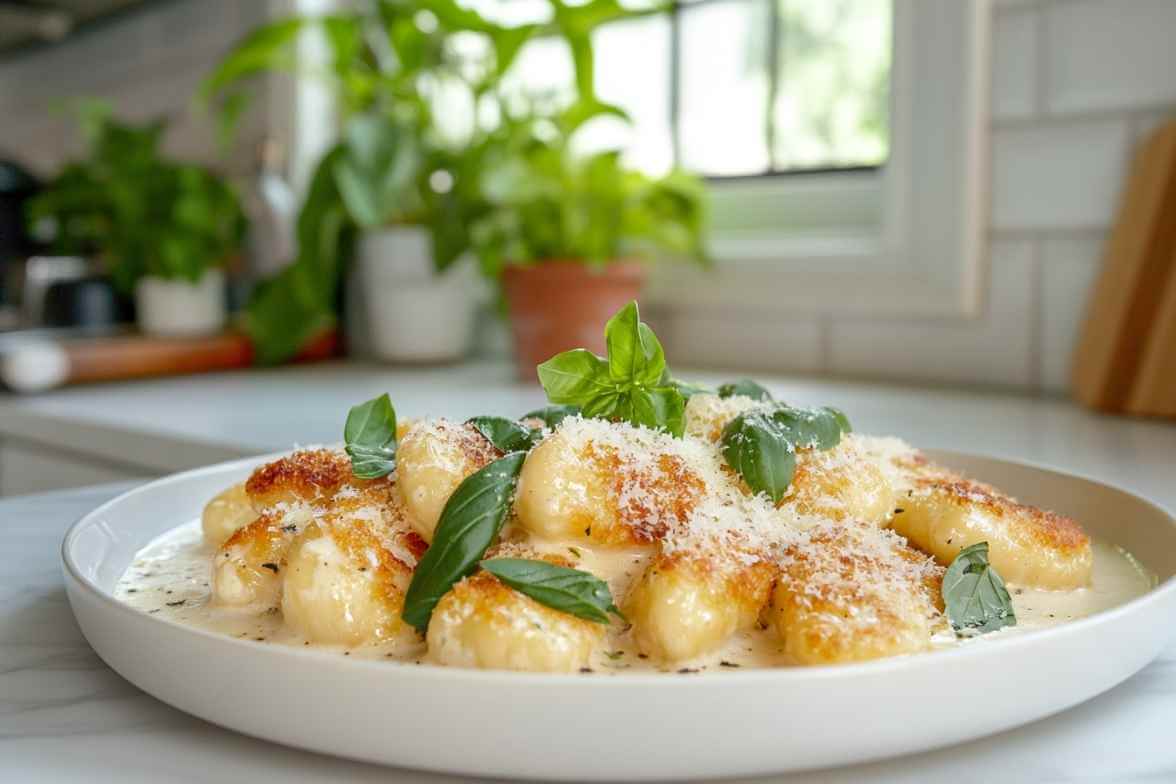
x=1075 y=83
x=147 y=64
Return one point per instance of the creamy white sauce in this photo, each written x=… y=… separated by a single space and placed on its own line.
x=170 y=578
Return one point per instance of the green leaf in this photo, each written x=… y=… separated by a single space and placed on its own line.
x=761 y=445
x=745 y=387
x=574 y=377
x=809 y=428
x=760 y=453
x=688 y=390
x=552 y=415
x=975 y=596
x=471 y=520
x=567 y=590
x=661 y=407
x=841 y=418
x=634 y=353
x=507 y=435
x=370 y=438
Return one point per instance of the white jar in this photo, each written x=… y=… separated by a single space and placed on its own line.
x=180 y=308
x=407 y=312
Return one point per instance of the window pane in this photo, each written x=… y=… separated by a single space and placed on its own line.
x=633 y=72
x=724 y=87
x=834 y=83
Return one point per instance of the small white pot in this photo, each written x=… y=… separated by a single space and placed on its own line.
x=180 y=308
x=407 y=312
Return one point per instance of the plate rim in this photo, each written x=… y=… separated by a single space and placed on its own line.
x=645 y=679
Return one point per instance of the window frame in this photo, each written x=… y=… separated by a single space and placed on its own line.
x=857 y=241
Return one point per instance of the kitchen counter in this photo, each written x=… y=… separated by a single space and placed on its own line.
x=150 y=428
x=66 y=717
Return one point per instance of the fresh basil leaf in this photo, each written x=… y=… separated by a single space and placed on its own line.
x=574 y=377
x=761 y=453
x=552 y=415
x=634 y=353
x=471 y=520
x=841 y=418
x=659 y=407
x=369 y=436
x=608 y=405
x=975 y=596
x=567 y=590
x=506 y=434
x=808 y=428
x=745 y=387
x=685 y=388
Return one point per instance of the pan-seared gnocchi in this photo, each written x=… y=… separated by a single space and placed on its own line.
x=943 y=513
x=684 y=606
x=620 y=546
x=346 y=576
x=481 y=622
x=852 y=593
x=228 y=512
x=432 y=460
x=617 y=487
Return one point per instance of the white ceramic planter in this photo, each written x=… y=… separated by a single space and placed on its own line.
x=179 y=308
x=408 y=313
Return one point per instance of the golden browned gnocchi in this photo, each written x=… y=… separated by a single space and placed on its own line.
x=842 y=483
x=346 y=576
x=685 y=605
x=852 y=593
x=942 y=513
x=432 y=461
x=483 y=623
x=615 y=492
x=831 y=560
x=229 y=511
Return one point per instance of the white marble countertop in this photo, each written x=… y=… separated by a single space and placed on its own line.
x=64 y=716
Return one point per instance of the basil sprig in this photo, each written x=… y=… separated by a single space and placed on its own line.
x=369 y=436
x=975 y=596
x=745 y=387
x=506 y=434
x=471 y=520
x=567 y=590
x=631 y=385
x=552 y=415
x=688 y=390
x=761 y=445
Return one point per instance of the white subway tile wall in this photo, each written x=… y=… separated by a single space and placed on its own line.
x=1075 y=84
x=147 y=64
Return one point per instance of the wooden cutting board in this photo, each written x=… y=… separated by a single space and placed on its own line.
x=1124 y=356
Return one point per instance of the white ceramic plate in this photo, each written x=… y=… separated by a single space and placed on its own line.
x=630 y=726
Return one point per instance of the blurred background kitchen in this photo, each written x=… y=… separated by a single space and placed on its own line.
x=221 y=223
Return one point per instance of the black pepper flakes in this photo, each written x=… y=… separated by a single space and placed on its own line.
x=687 y=671
x=725 y=663
x=273 y=567
x=180 y=603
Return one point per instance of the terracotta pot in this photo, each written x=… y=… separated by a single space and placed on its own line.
x=560 y=305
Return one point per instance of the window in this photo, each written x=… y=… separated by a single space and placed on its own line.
x=734 y=88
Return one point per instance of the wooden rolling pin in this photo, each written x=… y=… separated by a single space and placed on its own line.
x=39 y=363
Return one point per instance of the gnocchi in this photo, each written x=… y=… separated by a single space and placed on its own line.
x=432 y=460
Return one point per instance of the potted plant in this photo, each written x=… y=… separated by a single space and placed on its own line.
x=163 y=229
x=379 y=194
x=567 y=232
